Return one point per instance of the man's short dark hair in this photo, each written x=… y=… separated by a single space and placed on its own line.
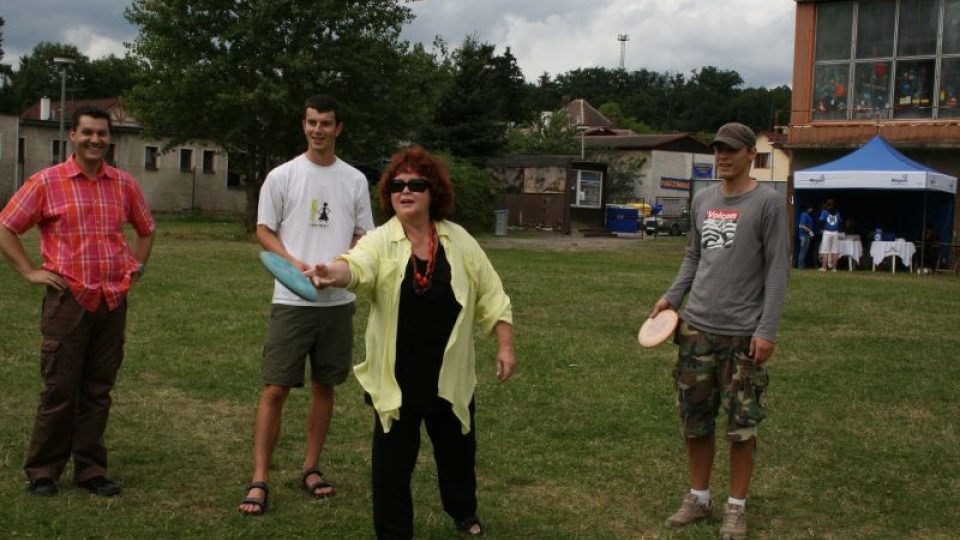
x=93 y=112
x=323 y=103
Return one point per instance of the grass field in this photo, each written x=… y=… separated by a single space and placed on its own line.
x=861 y=440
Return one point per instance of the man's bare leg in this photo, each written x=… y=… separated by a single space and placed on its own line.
x=266 y=431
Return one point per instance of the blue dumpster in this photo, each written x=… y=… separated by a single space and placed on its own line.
x=623 y=219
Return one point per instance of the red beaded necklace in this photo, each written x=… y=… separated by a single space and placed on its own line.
x=423 y=282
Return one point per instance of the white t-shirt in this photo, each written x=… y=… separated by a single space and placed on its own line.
x=315 y=211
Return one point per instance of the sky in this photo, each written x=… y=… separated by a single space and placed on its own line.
x=752 y=37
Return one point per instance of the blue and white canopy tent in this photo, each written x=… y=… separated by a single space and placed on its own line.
x=879 y=188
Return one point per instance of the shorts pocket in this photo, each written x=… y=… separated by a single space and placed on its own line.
x=750 y=407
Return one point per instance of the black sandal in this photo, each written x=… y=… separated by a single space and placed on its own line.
x=261 y=503
x=464 y=526
x=319 y=484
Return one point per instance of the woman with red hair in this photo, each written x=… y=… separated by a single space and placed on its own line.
x=430 y=285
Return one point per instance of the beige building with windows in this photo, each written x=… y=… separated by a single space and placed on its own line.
x=772 y=163
x=192 y=177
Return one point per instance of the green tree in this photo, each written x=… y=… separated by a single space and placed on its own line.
x=550 y=133
x=109 y=76
x=38 y=76
x=475 y=194
x=237 y=72
x=707 y=99
x=480 y=97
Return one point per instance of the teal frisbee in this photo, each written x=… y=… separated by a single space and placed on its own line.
x=289 y=276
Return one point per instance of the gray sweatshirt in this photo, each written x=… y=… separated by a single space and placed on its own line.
x=736 y=264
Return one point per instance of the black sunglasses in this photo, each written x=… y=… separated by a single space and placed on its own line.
x=417 y=185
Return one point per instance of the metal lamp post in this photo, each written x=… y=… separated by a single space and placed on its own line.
x=63 y=62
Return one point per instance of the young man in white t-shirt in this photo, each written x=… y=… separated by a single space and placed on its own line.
x=312 y=208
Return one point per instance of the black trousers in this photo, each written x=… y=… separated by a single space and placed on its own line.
x=395 y=456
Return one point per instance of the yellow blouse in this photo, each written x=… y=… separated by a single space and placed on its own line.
x=377 y=266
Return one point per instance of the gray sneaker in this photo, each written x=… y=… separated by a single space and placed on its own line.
x=690 y=511
x=734 y=522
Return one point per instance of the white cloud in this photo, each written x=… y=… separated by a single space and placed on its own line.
x=753 y=37
x=92 y=44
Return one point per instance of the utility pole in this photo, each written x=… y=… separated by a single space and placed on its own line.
x=63 y=62
x=623 y=39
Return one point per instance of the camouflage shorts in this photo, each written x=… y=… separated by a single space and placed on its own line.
x=712 y=370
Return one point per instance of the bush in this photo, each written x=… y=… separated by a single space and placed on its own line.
x=475 y=195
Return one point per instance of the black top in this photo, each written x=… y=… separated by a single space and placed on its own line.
x=424 y=324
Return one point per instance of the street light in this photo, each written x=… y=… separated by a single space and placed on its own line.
x=63 y=62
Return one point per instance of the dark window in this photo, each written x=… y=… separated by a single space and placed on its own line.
x=112 y=155
x=830 y=91
x=208 y=161
x=950 y=87
x=21 y=150
x=834 y=26
x=914 y=89
x=234 y=180
x=762 y=161
x=55 y=151
x=186 y=159
x=150 y=157
x=875 y=28
x=951 y=27
x=871 y=81
x=918 y=27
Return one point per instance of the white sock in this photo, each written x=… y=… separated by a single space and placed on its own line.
x=703 y=496
x=738 y=502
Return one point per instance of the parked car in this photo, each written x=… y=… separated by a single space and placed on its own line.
x=672 y=225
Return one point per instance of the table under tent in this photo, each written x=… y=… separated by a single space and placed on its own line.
x=876 y=188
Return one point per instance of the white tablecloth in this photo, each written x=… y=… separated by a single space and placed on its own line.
x=901 y=248
x=850 y=247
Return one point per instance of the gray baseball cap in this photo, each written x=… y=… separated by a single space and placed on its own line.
x=735 y=135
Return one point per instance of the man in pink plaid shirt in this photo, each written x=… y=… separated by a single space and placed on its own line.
x=80 y=207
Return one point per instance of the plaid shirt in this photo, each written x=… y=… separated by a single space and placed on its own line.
x=81 y=227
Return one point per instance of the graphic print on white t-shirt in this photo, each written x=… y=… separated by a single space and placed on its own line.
x=320 y=214
x=719 y=229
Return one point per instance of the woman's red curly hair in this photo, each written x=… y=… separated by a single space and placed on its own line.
x=415 y=159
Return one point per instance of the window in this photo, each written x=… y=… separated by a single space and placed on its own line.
x=872 y=95
x=951 y=27
x=830 y=91
x=55 y=151
x=950 y=88
x=208 y=161
x=914 y=87
x=150 y=157
x=762 y=161
x=919 y=22
x=589 y=188
x=875 y=29
x=111 y=156
x=186 y=159
x=235 y=180
x=903 y=62
x=21 y=150
x=834 y=22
